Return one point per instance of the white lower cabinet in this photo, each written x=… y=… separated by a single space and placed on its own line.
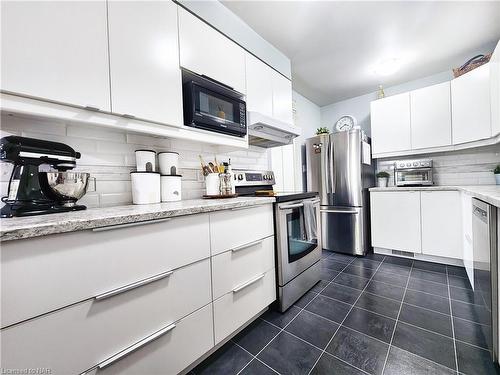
x=177 y=347
x=82 y=265
x=395 y=220
x=78 y=337
x=243 y=302
x=137 y=299
x=423 y=222
x=441 y=223
x=235 y=267
x=232 y=228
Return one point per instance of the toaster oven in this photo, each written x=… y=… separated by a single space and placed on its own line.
x=413 y=172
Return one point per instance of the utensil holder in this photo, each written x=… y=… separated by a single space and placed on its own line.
x=212 y=184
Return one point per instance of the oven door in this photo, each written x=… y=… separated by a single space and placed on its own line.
x=298 y=234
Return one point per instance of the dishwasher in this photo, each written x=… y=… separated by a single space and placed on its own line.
x=484 y=239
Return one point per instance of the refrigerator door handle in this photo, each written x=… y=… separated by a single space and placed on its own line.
x=352 y=212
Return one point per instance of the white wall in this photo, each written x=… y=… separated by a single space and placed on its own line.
x=359 y=106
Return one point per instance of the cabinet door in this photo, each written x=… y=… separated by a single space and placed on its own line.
x=495 y=91
x=431 y=116
x=442 y=224
x=390 y=124
x=467 y=253
x=56 y=50
x=144 y=60
x=204 y=50
x=282 y=98
x=259 y=86
x=395 y=220
x=470 y=104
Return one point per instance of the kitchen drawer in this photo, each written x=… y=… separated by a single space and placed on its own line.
x=42 y=274
x=235 y=308
x=233 y=228
x=234 y=267
x=78 y=337
x=171 y=352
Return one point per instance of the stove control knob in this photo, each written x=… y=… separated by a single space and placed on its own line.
x=415 y=164
x=264 y=177
x=408 y=164
x=240 y=176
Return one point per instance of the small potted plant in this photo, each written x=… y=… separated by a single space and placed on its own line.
x=496 y=171
x=322 y=130
x=383 y=178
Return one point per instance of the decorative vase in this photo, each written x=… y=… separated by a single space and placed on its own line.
x=497 y=178
x=382 y=181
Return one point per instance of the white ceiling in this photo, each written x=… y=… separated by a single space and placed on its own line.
x=333 y=46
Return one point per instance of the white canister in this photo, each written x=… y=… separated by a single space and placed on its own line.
x=145 y=160
x=145 y=187
x=212 y=184
x=171 y=188
x=169 y=163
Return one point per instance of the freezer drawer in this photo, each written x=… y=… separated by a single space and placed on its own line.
x=345 y=229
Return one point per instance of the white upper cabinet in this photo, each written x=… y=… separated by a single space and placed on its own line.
x=431 y=116
x=282 y=98
x=442 y=223
x=259 y=86
x=56 y=50
x=205 y=51
x=144 y=60
x=495 y=91
x=470 y=102
x=390 y=124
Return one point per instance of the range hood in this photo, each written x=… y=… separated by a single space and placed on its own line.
x=267 y=132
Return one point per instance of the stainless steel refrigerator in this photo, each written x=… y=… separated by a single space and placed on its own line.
x=340 y=168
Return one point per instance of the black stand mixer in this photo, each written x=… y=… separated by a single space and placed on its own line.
x=36 y=192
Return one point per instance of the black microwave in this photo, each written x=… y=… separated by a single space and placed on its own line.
x=213 y=106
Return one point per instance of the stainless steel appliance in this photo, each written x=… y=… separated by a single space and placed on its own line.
x=485 y=273
x=298 y=234
x=339 y=166
x=413 y=172
x=33 y=191
x=213 y=106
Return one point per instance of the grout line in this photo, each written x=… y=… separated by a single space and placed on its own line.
x=397 y=319
x=343 y=320
x=301 y=309
x=452 y=324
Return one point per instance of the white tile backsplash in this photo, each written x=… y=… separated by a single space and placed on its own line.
x=108 y=155
x=466 y=167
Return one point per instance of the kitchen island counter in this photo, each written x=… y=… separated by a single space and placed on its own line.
x=35 y=226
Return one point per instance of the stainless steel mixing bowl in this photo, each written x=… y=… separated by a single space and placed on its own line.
x=69 y=186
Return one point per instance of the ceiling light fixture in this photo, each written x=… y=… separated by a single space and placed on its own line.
x=387 y=67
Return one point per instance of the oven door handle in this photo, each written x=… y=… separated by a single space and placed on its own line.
x=297 y=205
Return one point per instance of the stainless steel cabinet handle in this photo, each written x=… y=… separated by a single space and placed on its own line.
x=341 y=211
x=90 y=108
x=136 y=346
x=248 y=283
x=128 y=225
x=244 y=208
x=291 y=206
x=126 y=115
x=242 y=247
x=137 y=284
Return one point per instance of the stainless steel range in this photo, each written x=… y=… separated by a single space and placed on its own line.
x=298 y=234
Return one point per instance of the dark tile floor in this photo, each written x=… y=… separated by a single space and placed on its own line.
x=373 y=315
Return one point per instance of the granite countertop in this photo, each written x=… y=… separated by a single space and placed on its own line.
x=35 y=226
x=487 y=193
